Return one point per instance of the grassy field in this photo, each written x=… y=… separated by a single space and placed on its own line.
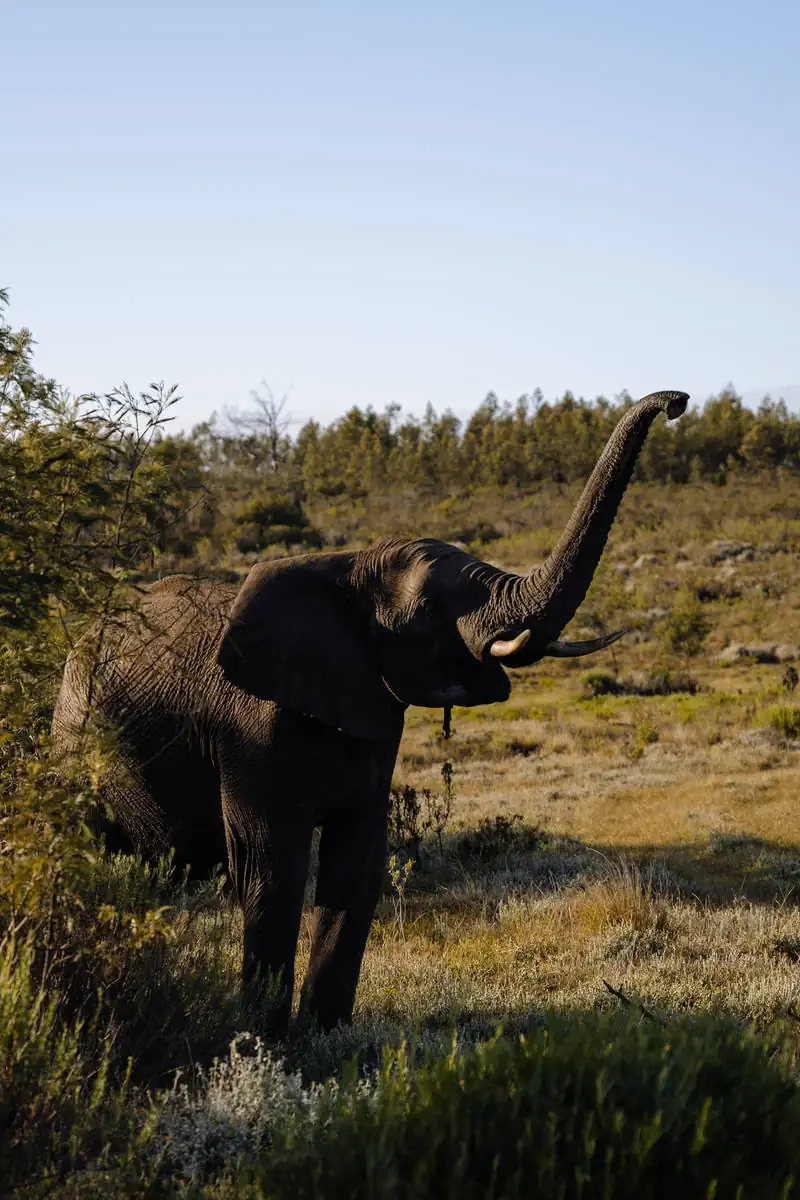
x=622 y=857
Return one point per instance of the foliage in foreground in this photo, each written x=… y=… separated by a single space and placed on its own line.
x=587 y=1105
x=60 y=1113
x=600 y=1106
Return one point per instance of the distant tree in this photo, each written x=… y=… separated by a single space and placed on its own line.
x=267 y=421
x=773 y=439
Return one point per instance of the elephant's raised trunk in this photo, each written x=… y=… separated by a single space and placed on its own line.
x=545 y=601
x=557 y=588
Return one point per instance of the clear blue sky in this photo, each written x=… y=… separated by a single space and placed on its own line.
x=403 y=202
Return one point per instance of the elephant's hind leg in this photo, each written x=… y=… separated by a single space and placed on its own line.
x=166 y=799
x=138 y=823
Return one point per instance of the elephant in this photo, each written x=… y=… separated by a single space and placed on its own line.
x=246 y=718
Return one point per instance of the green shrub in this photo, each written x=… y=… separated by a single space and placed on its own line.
x=165 y=957
x=660 y=681
x=646 y=734
x=495 y=838
x=271 y=520
x=686 y=627
x=59 y=1113
x=597 y=1108
x=602 y=683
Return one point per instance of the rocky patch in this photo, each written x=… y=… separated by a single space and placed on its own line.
x=765 y=652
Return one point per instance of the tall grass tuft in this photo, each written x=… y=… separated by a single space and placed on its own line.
x=784 y=719
x=625 y=894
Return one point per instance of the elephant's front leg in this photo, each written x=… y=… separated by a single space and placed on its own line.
x=352 y=861
x=268 y=862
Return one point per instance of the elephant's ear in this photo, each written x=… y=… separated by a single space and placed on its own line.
x=295 y=635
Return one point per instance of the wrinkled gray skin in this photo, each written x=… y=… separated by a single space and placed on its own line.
x=246 y=719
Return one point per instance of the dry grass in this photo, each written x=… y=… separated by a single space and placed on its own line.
x=624 y=895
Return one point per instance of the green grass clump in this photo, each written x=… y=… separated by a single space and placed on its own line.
x=784 y=719
x=596 y=1108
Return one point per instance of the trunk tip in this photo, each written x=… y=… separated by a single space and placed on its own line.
x=672 y=403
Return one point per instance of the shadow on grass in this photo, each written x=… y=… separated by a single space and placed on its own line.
x=718 y=869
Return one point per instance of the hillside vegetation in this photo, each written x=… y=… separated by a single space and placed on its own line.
x=584 y=976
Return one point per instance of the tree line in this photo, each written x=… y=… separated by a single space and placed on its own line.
x=242 y=482
x=267 y=482
x=533 y=441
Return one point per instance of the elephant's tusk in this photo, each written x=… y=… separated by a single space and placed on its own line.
x=577 y=649
x=501 y=649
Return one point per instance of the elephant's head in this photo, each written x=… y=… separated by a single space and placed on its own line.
x=353 y=638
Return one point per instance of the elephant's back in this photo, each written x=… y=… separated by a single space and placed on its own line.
x=186 y=599
x=160 y=653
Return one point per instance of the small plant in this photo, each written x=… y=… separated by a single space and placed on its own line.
x=440 y=805
x=646 y=735
x=415 y=815
x=785 y=720
x=399 y=874
x=496 y=837
x=405 y=819
x=226 y=1113
x=789 y=679
x=686 y=627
